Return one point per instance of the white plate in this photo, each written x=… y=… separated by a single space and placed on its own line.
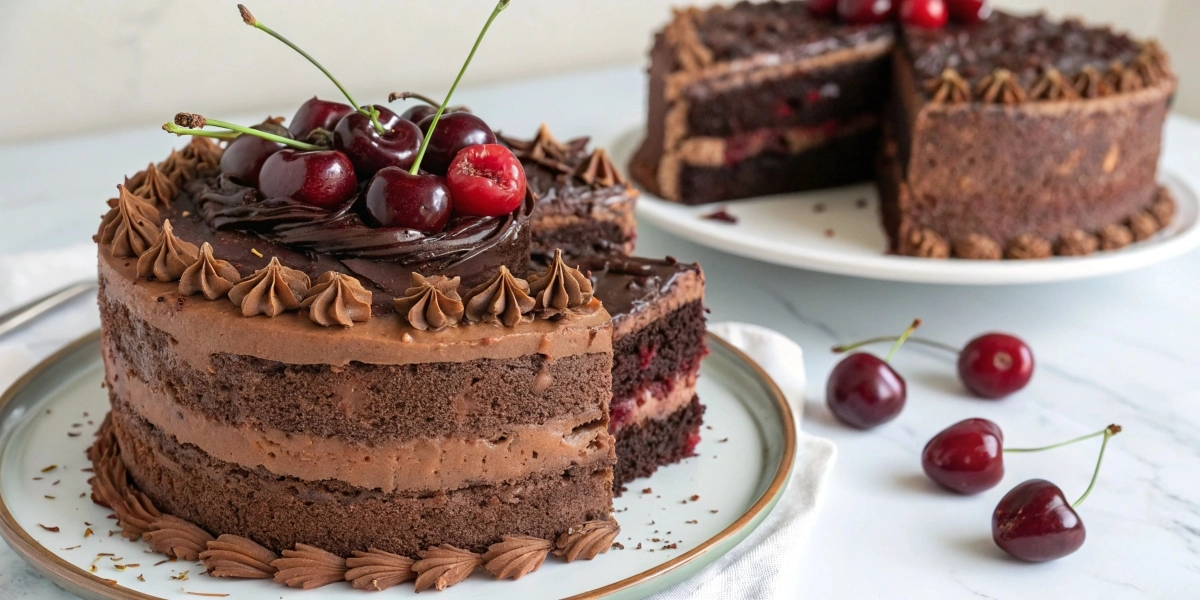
x=739 y=473
x=838 y=231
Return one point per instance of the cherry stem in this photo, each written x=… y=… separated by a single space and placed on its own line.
x=416 y=166
x=394 y=96
x=900 y=340
x=179 y=130
x=1109 y=431
x=370 y=111
x=1060 y=444
x=889 y=338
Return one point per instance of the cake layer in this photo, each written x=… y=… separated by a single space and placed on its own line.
x=667 y=346
x=279 y=512
x=653 y=400
x=644 y=447
x=583 y=237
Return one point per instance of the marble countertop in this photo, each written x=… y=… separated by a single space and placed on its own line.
x=1122 y=349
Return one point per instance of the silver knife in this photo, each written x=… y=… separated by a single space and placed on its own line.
x=21 y=315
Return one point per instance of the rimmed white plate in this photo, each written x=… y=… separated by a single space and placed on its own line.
x=838 y=231
x=740 y=471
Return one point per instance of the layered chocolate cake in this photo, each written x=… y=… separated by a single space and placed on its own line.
x=761 y=98
x=1005 y=136
x=584 y=205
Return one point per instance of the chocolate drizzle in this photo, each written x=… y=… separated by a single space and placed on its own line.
x=432 y=303
x=131 y=226
x=337 y=299
x=168 y=258
x=270 y=291
x=503 y=299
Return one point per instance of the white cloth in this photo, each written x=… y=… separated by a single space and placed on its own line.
x=759 y=567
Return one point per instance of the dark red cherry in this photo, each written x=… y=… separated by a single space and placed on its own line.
x=486 y=181
x=369 y=150
x=865 y=12
x=995 y=365
x=244 y=158
x=927 y=14
x=1035 y=522
x=317 y=114
x=864 y=391
x=323 y=178
x=822 y=8
x=419 y=112
x=967 y=457
x=395 y=198
x=969 y=11
x=454 y=131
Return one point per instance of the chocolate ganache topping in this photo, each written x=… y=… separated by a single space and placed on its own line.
x=432 y=303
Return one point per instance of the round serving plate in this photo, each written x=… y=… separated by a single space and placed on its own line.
x=838 y=231
x=672 y=524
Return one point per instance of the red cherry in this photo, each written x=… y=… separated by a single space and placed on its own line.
x=928 y=14
x=969 y=11
x=243 y=159
x=1034 y=522
x=396 y=198
x=995 y=365
x=486 y=181
x=863 y=391
x=822 y=8
x=967 y=457
x=864 y=12
x=317 y=114
x=323 y=178
x=371 y=151
x=454 y=131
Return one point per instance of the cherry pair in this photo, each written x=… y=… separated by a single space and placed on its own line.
x=865 y=391
x=921 y=13
x=1033 y=521
x=332 y=147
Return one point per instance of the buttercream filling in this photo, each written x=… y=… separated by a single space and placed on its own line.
x=427 y=464
x=656 y=400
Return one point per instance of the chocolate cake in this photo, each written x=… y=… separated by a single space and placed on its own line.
x=584 y=205
x=1014 y=137
x=761 y=98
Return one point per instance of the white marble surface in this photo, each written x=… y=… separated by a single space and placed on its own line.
x=1121 y=349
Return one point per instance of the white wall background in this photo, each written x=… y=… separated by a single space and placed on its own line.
x=82 y=65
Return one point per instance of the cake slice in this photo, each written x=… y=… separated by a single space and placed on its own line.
x=1024 y=137
x=584 y=205
x=761 y=98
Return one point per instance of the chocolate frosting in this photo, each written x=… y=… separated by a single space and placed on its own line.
x=204 y=153
x=516 y=556
x=131 y=226
x=177 y=538
x=270 y=290
x=378 y=570
x=1077 y=242
x=168 y=258
x=503 y=299
x=432 y=303
x=1052 y=85
x=308 y=567
x=235 y=556
x=153 y=185
x=208 y=275
x=1000 y=87
x=629 y=284
x=1090 y=83
x=443 y=566
x=559 y=288
x=598 y=170
x=587 y=541
x=1029 y=246
x=337 y=299
x=948 y=88
x=787 y=28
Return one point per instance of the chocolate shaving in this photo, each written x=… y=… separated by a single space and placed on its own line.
x=948 y=88
x=443 y=566
x=308 y=567
x=378 y=570
x=587 y=541
x=516 y=556
x=239 y=557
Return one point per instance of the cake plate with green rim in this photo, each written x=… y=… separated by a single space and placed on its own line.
x=673 y=524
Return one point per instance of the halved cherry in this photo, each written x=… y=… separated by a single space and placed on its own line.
x=486 y=180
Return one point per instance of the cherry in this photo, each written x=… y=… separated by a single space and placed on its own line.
x=323 y=178
x=370 y=150
x=419 y=112
x=397 y=198
x=317 y=114
x=427 y=107
x=969 y=11
x=966 y=457
x=455 y=131
x=928 y=14
x=1034 y=522
x=864 y=391
x=486 y=181
x=865 y=12
x=995 y=365
x=822 y=8
x=244 y=157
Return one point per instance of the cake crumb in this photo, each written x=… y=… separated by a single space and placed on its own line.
x=670 y=547
x=713 y=511
x=819 y=207
x=49 y=468
x=721 y=214
x=723 y=440
x=186 y=213
x=829 y=233
x=618 y=545
x=694 y=497
x=141 y=578
x=647 y=491
x=639 y=546
x=861 y=203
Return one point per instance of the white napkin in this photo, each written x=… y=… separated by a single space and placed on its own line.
x=759 y=567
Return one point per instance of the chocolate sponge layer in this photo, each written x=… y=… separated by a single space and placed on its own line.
x=643 y=447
